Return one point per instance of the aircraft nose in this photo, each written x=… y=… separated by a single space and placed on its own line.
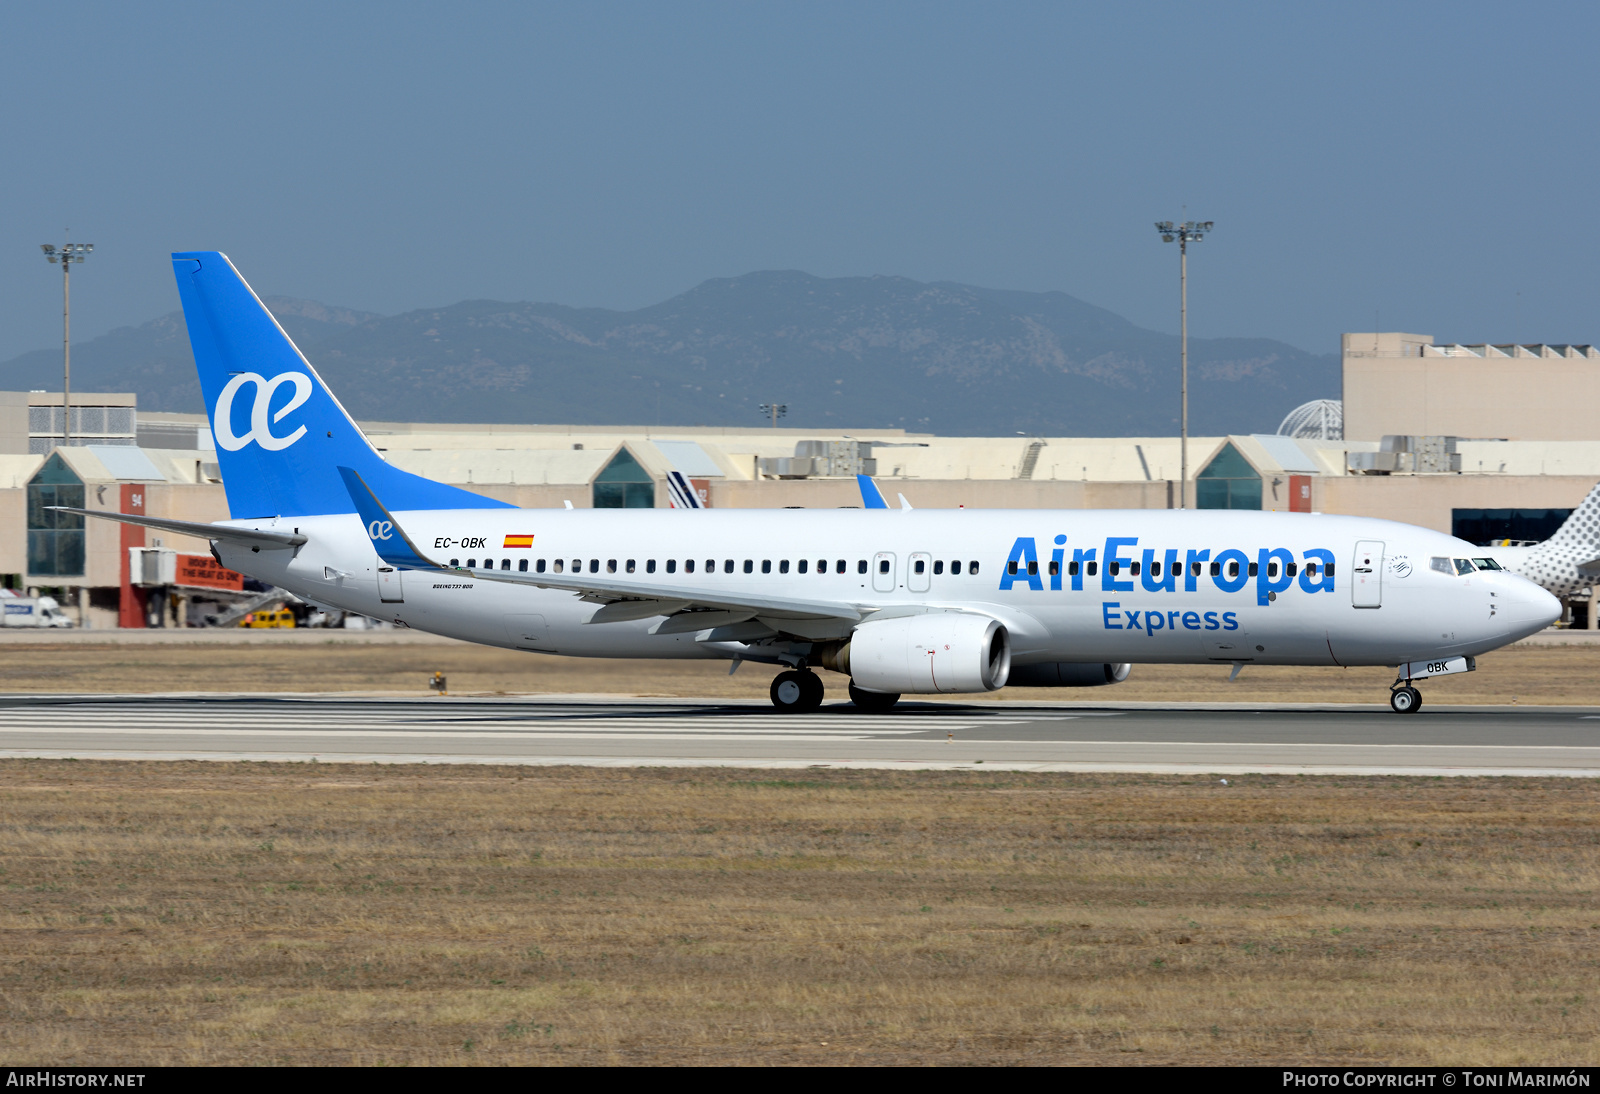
x=1530 y=607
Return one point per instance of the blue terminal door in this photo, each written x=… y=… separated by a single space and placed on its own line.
x=623 y=484
x=1228 y=482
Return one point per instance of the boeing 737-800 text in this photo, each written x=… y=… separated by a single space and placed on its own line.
x=904 y=601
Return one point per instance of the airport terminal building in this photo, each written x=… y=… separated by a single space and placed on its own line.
x=1478 y=440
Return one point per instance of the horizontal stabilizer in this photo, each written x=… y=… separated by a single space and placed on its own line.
x=250 y=537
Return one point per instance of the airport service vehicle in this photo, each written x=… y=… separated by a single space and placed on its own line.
x=282 y=619
x=1568 y=561
x=32 y=611
x=902 y=601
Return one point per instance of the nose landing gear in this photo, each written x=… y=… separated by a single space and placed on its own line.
x=1405 y=700
x=796 y=691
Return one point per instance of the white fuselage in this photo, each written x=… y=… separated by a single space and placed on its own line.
x=1400 y=611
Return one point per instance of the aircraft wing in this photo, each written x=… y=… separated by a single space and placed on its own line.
x=250 y=537
x=623 y=596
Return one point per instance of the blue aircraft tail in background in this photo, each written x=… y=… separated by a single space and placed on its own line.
x=871 y=496
x=281 y=435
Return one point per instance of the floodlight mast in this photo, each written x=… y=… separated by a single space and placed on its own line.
x=776 y=410
x=67 y=255
x=1194 y=230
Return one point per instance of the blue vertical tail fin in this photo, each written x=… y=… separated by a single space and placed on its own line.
x=281 y=435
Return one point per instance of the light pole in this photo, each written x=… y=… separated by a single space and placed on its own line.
x=777 y=410
x=1189 y=230
x=67 y=255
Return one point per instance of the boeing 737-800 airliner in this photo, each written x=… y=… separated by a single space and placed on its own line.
x=903 y=601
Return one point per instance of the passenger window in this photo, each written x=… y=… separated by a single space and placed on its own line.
x=749 y=566
x=1442 y=565
x=1253 y=569
x=472 y=564
x=1194 y=569
x=727 y=566
x=672 y=565
x=1328 y=569
x=938 y=567
x=560 y=565
x=594 y=565
x=1233 y=569
x=1033 y=569
x=1311 y=569
x=522 y=565
x=783 y=566
x=803 y=563
x=822 y=565
x=1011 y=567
x=1155 y=569
x=711 y=565
x=1291 y=568
x=1072 y=569
x=611 y=565
x=505 y=564
x=972 y=567
x=955 y=567
x=1091 y=567
x=766 y=565
x=539 y=566
x=577 y=565
x=1272 y=568
x=1133 y=568
x=1463 y=567
x=883 y=566
x=630 y=565
x=688 y=565
x=861 y=566
x=455 y=562
x=649 y=566
x=841 y=566
x=1216 y=569
x=1114 y=567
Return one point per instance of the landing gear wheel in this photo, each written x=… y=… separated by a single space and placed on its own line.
x=1406 y=700
x=796 y=692
x=872 y=700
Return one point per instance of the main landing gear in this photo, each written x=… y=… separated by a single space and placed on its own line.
x=1405 y=699
x=797 y=691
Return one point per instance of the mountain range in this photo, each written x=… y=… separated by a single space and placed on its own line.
x=838 y=352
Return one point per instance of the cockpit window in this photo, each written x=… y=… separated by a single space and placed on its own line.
x=1486 y=564
x=1442 y=565
x=1463 y=566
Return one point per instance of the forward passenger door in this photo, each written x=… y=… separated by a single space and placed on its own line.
x=1366 y=576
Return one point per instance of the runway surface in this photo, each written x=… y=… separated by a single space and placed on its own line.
x=678 y=732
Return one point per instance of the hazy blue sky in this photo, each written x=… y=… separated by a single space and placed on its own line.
x=1413 y=164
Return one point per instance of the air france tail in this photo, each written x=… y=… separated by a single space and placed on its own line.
x=281 y=435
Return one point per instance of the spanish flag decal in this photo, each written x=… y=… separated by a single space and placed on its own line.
x=518 y=541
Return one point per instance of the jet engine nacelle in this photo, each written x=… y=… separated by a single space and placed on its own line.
x=1067 y=674
x=923 y=654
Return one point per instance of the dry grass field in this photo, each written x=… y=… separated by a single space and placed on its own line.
x=1522 y=674
x=175 y=913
